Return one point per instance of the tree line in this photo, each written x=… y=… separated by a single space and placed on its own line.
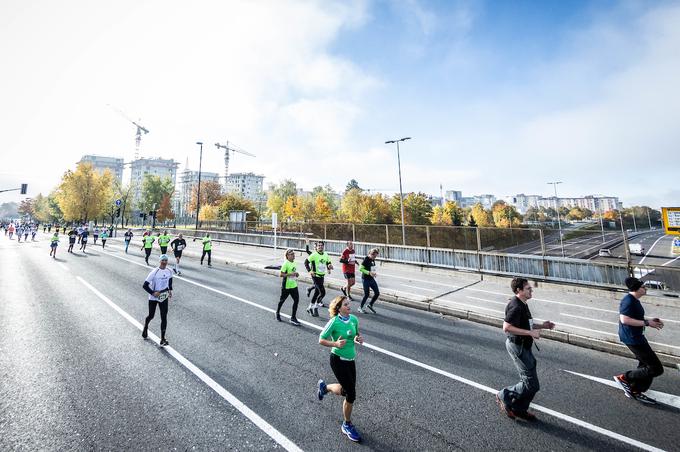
x=86 y=194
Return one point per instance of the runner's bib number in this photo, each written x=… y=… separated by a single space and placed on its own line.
x=180 y=247
x=163 y=295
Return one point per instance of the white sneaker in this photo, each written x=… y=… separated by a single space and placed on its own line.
x=362 y=311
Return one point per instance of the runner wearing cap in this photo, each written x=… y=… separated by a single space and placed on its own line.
x=158 y=284
x=632 y=325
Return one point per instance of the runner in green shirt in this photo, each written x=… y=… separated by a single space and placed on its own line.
x=207 y=248
x=54 y=243
x=341 y=333
x=163 y=241
x=317 y=264
x=289 y=286
x=147 y=246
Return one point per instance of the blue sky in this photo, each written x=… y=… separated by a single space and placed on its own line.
x=499 y=96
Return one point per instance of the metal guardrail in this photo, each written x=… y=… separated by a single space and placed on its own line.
x=599 y=274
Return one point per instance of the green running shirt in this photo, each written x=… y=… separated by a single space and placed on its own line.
x=207 y=243
x=163 y=240
x=148 y=241
x=319 y=262
x=337 y=329
x=289 y=267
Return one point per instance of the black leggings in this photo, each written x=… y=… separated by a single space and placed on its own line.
x=370 y=283
x=209 y=253
x=295 y=295
x=163 y=305
x=148 y=254
x=319 y=289
x=649 y=367
x=346 y=374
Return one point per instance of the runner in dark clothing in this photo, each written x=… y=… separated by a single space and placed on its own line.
x=178 y=246
x=368 y=275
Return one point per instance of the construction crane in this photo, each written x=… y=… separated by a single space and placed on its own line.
x=140 y=129
x=228 y=148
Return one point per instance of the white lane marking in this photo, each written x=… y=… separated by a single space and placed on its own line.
x=586 y=329
x=474 y=384
x=473 y=306
x=662 y=397
x=488 y=301
x=589 y=319
x=226 y=395
x=62 y=266
x=419 y=288
x=550 y=301
x=670 y=261
x=650 y=249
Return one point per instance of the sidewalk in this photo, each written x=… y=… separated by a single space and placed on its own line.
x=584 y=316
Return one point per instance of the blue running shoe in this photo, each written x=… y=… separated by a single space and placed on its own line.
x=322 y=389
x=351 y=432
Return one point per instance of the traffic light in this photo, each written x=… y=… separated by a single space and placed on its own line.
x=24 y=188
x=118 y=212
x=144 y=217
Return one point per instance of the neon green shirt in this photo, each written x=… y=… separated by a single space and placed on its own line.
x=289 y=282
x=164 y=239
x=207 y=243
x=54 y=240
x=337 y=329
x=148 y=241
x=319 y=262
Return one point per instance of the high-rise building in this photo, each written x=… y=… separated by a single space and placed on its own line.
x=188 y=180
x=454 y=195
x=164 y=168
x=102 y=163
x=248 y=185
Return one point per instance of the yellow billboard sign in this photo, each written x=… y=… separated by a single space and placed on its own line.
x=671 y=220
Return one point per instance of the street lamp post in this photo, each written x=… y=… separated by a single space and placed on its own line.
x=649 y=219
x=557 y=207
x=198 y=192
x=401 y=192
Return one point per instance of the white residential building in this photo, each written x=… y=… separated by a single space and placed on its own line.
x=188 y=180
x=164 y=168
x=102 y=163
x=248 y=185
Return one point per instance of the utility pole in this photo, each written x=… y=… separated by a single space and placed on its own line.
x=401 y=192
x=649 y=219
x=198 y=194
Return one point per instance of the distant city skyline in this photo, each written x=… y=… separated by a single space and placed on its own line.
x=499 y=97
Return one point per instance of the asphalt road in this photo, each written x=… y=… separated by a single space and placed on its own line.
x=76 y=373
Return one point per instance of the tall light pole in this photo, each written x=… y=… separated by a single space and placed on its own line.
x=401 y=192
x=557 y=207
x=649 y=218
x=198 y=192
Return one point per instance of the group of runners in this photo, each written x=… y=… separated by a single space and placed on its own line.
x=21 y=230
x=342 y=333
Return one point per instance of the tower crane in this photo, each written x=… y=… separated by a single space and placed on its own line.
x=140 y=129
x=228 y=148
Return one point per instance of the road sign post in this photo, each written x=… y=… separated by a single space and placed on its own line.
x=275 y=225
